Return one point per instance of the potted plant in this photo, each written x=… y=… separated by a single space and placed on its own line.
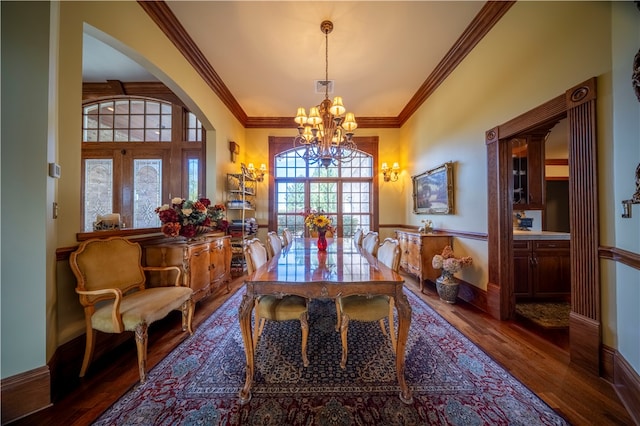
x=446 y=284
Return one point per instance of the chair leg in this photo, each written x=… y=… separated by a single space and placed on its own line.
x=304 y=324
x=187 y=316
x=88 y=350
x=338 y=314
x=344 y=326
x=392 y=331
x=382 y=327
x=141 y=345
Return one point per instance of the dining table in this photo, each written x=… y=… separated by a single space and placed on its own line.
x=344 y=269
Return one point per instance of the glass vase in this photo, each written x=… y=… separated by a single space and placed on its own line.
x=322 y=240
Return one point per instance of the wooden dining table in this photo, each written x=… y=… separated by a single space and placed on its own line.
x=342 y=270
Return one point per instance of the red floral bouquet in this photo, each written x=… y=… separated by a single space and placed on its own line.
x=189 y=218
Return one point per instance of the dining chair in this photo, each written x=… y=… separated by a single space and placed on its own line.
x=369 y=309
x=287 y=237
x=116 y=296
x=357 y=237
x=370 y=243
x=274 y=308
x=274 y=245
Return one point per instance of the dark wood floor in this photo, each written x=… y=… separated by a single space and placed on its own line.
x=541 y=364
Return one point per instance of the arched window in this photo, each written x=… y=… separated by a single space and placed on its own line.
x=137 y=153
x=345 y=192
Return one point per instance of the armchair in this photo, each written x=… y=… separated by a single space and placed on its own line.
x=110 y=271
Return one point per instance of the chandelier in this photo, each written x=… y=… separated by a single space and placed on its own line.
x=326 y=134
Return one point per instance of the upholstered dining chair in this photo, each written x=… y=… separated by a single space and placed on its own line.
x=357 y=237
x=370 y=243
x=287 y=237
x=112 y=287
x=369 y=309
x=268 y=307
x=274 y=244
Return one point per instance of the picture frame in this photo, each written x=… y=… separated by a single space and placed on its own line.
x=433 y=190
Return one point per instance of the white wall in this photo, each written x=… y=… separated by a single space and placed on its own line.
x=624 y=154
x=24 y=183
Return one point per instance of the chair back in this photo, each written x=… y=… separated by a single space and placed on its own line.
x=389 y=253
x=287 y=237
x=107 y=263
x=274 y=245
x=357 y=237
x=255 y=254
x=370 y=243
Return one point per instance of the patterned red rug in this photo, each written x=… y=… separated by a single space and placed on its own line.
x=453 y=381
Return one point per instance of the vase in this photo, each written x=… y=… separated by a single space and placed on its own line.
x=448 y=287
x=322 y=240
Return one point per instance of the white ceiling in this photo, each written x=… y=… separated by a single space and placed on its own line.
x=270 y=53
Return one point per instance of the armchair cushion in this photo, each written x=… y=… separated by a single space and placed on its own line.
x=283 y=309
x=363 y=308
x=139 y=307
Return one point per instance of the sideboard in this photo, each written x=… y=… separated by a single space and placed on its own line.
x=417 y=251
x=205 y=262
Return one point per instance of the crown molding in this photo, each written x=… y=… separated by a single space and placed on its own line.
x=488 y=16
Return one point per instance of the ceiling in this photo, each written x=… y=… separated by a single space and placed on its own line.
x=269 y=54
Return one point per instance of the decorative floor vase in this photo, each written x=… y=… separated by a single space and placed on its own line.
x=322 y=241
x=448 y=287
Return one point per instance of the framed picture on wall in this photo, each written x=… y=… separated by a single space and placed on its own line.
x=433 y=190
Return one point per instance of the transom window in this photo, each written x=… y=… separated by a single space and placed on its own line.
x=128 y=147
x=345 y=192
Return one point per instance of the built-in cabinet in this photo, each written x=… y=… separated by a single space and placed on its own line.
x=417 y=251
x=528 y=172
x=205 y=263
x=542 y=270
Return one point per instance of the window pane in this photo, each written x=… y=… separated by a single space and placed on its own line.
x=137 y=121
x=121 y=122
x=165 y=135
x=105 y=135
x=153 y=108
x=192 y=176
x=122 y=107
x=106 y=122
x=90 y=136
x=147 y=189
x=152 y=122
x=98 y=190
x=121 y=135
x=152 y=136
x=137 y=107
x=136 y=135
x=90 y=122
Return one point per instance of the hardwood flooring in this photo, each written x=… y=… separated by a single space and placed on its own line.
x=540 y=364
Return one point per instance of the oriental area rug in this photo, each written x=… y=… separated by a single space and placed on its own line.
x=453 y=381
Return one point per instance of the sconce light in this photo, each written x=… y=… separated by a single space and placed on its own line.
x=257 y=174
x=390 y=175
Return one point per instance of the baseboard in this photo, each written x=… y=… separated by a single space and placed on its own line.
x=627 y=386
x=473 y=295
x=25 y=393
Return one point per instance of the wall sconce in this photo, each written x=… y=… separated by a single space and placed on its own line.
x=390 y=175
x=257 y=174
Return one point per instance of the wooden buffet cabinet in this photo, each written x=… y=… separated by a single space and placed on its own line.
x=417 y=251
x=205 y=263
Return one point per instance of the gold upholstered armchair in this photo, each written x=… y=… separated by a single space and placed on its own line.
x=111 y=284
x=275 y=308
x=370 y=308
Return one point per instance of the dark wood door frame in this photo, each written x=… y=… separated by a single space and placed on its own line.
x=578 y=105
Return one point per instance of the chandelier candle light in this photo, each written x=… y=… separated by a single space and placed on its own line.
x=325 y=133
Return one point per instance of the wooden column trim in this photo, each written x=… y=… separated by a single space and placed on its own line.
x=583 y=216
x=500 y=238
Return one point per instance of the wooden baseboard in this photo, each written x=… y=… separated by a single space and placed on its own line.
x=607 y=363
x=473 y=295
x=627 y=386
x=25 y=393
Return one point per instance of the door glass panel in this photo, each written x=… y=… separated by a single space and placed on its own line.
x=147 y=188
x=98 y=184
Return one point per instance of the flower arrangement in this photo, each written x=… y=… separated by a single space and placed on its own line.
x=448 y=263
x=188 y=218
x=317 y=221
